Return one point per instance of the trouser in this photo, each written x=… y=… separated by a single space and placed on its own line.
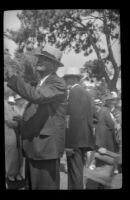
x=45 y=174
x=75 y=169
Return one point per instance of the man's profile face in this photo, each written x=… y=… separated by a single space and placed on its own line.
x=42 y=63
x=43 y=66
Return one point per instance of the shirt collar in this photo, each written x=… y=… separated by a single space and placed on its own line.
x=74 y=85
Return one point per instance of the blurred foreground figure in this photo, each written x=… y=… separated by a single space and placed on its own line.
x=79 y=133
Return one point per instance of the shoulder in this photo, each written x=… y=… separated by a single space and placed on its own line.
x=56 y=81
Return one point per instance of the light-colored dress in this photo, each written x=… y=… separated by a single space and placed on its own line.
x=11 y=151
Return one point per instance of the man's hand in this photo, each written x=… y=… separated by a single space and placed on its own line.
x=69 y=152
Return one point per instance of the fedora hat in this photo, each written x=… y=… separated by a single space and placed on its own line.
x=52 y=53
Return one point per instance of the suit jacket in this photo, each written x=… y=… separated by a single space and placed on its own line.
x=105 y=131
x=80 y=110
x=44 y=116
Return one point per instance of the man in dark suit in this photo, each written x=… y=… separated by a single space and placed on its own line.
x=43 y=125
x=79 y=135
x=106 y=126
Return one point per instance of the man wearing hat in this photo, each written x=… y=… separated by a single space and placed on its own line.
x=43 y=127
x=79 y=134
x=105 y=128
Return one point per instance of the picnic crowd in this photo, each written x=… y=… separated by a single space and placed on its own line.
x=53 y=117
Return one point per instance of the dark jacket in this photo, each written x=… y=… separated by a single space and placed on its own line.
x=105 y=131
x=44 y=116
x=80 y=110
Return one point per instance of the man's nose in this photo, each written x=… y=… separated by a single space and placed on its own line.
x=40 y=68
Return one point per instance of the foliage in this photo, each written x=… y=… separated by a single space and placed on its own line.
x=99 y=91
x=10 y=64
x=102 y=89
x=93 y=69
x=22 y=64
x=27 y=62
x=80 y=30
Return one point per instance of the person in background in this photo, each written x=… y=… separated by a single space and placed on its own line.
x=11 y=151
x=20 y=108
x=105 y=128
x=98 y=105
x=43 y=127
x=79 y=133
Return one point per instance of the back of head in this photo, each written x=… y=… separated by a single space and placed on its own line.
x=72 y=75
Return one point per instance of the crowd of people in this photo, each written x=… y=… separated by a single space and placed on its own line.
x=53 y=117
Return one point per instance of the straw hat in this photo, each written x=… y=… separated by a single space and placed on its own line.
x=52 y=53
x=72 y=71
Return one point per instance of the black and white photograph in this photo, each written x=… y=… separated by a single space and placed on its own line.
x=62 y=99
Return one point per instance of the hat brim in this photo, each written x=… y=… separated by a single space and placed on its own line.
x=68 y=75
x=110 y=99
x=53 y=59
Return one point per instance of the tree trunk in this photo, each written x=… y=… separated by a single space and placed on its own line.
x=113 y=85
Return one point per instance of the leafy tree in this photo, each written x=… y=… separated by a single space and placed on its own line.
x=94 y=70
x=10 y=64
x=102 y=89
x=27 y=62
x=81 y=30
x=99 y=91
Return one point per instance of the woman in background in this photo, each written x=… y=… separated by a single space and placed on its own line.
x=11 y=153
x=12 y=156
x=106 y=126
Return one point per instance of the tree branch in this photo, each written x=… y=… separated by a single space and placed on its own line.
x=106 y=31
x=100 y=59
x=107 y=77
x=101 y=18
